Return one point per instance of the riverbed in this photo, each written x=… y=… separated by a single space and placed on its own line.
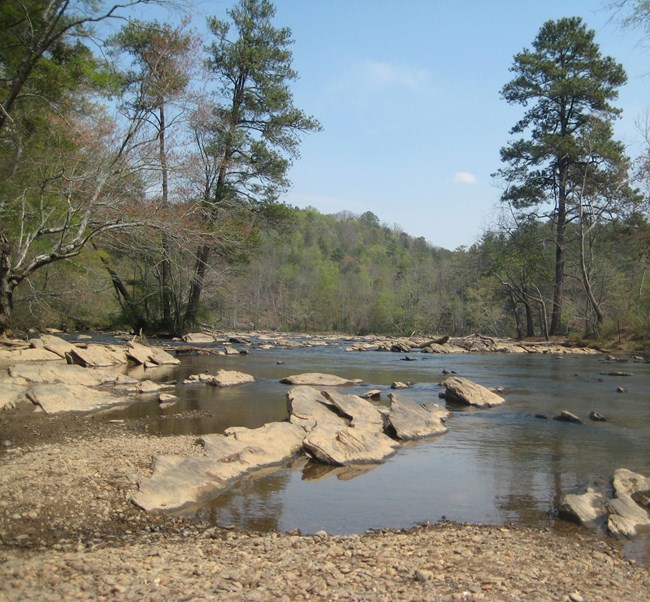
x=503 y=465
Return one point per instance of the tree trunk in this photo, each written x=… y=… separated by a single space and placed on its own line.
x=164 y=172
x=556 y=315
x=5 y=286
x=196 y=287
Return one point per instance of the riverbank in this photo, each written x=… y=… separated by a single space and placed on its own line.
x=68 y=530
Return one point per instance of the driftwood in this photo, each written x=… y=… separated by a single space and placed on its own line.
x=440 y=341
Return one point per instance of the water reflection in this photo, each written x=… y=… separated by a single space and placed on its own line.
x=501 y=465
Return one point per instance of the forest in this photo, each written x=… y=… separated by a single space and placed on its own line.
x=140 y=190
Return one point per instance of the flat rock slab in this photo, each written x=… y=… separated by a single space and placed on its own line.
x=410 y=420
x=142 y=354
x=11 y=394
x=97 y=356
x=462 y=390
x=222 y=378
x=179 y=481
x=319 y=380
x=54 y=398
x=62 y=373
x=198 y=337
x=29 y=355
x=361 y=412
x=308 y=408
x=56 y=344
x=349 y=445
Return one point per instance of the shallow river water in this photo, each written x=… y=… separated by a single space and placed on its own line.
x=498 y=465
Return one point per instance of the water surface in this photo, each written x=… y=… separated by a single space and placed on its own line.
x=498 y=465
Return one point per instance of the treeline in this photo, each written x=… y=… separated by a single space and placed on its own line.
x=350 y=273
x=141 y=166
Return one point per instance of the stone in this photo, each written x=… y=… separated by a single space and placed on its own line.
x=54 y=398
x=28 y=355
x=56 y=344
x=360 y=412
x=588 y=509
x=178 y=482
x=597 y=417
x=62 y=373
x=374 y=394
x=198 y=337
x=11 y=394
x=308 y=407
x=349 y=445
x=566 y=416
x=463 y=390
x=223 y=378
x=625 y=515
x=319 y=380
x=632 y=484
x=409 y=420
x=94 y=356
x=399 y=385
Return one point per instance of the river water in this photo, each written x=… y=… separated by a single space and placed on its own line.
x=501 y=465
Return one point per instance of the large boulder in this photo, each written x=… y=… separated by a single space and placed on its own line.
x=589 y=509
x=179 y=481
x=625 y=516
x=349 y=445
x=317 y=379
x=464 y=391
x=632 y=484
x=361 y=412
x=308 y=408
x=341 y=429
x=409 y=420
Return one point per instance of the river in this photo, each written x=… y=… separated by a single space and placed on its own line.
x=500 y=465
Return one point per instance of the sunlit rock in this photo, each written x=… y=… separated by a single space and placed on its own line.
x=410 y=420
x=462 y=390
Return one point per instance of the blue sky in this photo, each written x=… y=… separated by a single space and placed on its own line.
x=408 y=96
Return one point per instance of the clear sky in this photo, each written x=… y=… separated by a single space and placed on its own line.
x=408 y=95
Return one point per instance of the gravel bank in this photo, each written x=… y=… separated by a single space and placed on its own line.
x=69 y=531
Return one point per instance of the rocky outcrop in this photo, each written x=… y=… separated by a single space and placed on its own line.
x=409 y=420
x=588 y=509
x=632 y=484
x=316 y=379
x=625 y=515
x=621 y=514
x=179 y=481
x=464 y=391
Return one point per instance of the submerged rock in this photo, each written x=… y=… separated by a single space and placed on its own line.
x=566 y=416
x=597 y=417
